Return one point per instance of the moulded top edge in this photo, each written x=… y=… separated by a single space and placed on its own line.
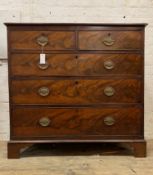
x=77 y=24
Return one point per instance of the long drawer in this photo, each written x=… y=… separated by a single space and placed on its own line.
x=76 y=91
x=76 y=64
x=51 y=122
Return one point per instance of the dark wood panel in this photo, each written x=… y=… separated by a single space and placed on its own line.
x=77 y=91
x=76 y=64
x=116 y=40
x=88 y=121
x=57 y=40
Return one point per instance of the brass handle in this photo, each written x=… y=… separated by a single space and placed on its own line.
x=42 y=40
x=109 y=64
x=108 y=41
x=109 y=91
x=43 y=91
x=43 y=66
x=109 y=121
x=44 y=121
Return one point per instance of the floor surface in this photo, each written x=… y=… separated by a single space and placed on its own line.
x=71 y=159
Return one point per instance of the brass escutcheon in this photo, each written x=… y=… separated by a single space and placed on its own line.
x=43 y=91
x=109 y=121
x=109 y=91
x=44 y=121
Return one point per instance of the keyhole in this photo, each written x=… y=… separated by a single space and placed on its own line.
x=76 y=82
x=76 y=56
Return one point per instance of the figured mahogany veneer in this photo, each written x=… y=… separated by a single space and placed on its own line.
x=76 y=121
x=57 y=40
x=76 y=64
x=90 y=88
x=76 y=91
x=123 y=40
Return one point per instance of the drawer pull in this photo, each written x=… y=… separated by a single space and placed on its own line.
x=43 y=66
x=109 y=91
x=42 y=40
x=109 y=64
x=109 y=121
x=44 y=121
x=108 y=41
x=43 y=91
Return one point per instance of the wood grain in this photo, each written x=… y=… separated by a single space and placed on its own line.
x=77 y=121
x=77 y=91
x=76 y=64
x=124 y=40
x=58 y=40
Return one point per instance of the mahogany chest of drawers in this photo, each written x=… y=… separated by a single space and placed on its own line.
x=76 y=83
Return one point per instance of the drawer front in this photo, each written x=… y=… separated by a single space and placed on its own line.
x=50 y=40
x=71 y=92
x=76 y=65
x=110 y=40
x=50 y=122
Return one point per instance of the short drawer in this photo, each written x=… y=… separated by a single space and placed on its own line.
x=76 y=92
x=76 y=64
x=110 y=40
x=49 y=40
x=54 y=122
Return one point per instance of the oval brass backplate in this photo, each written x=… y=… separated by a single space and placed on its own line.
x=109 y=64
x=109 y=120
x=44 y=121
x=108 y=41
x=42 y=40
x=43 y=66
x=43 y=91
x=109 y=91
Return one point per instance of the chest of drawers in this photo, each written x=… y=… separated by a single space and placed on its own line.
x=89 y=88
